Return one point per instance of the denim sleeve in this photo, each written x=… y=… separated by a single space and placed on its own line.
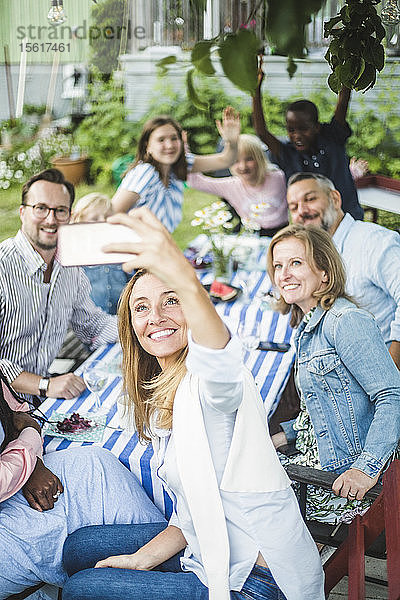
x=360 y=346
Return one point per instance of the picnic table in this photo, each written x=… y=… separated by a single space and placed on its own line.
x=270 y=369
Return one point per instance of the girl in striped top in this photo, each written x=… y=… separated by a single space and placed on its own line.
x=161 y=166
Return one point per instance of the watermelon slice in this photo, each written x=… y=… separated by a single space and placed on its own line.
x=222 y=291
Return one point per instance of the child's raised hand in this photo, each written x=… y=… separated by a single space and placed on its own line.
x=229 y=129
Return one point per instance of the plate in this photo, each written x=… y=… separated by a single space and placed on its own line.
x=90 y=434
x=216 y=300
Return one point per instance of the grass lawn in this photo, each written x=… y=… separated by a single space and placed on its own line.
x=10 y=201
x=193 y=200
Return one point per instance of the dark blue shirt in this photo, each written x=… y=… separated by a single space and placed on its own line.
x=330 y=159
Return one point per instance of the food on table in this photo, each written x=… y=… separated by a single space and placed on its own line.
x=73 y=423
x=222 y=291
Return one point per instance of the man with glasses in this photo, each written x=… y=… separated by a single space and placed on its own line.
x=39 y=298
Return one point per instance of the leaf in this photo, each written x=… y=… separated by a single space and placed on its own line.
x=367 y=76
x=330 y=24
x=163 y=62
x=238 y=54
x=192 y=94
x=334 y=82
x=201 y=57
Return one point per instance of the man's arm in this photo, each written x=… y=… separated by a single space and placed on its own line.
x=342 y=105
x=259 y=122
x=63 y=386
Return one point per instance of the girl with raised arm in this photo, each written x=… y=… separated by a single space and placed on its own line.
x=161 y=166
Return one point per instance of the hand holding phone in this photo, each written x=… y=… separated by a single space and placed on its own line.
x=81 y=244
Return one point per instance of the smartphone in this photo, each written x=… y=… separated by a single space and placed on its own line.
x=275 y=346
x=81 y=243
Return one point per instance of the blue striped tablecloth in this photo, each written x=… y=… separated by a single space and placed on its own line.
x=270 y=369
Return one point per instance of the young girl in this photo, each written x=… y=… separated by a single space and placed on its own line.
x=257 y=189
x=235 y=514
x=156 y=177
x=107 y=281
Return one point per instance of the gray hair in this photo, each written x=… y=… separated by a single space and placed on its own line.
x=325 y=184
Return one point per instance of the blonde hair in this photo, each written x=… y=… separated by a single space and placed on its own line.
x=149 y=390
x=321 y=255
x=252 y=146
x=93 y=200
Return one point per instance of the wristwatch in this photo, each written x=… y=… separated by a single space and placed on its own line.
x=43 y=386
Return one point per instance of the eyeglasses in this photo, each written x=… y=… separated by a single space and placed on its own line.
x=41 y=211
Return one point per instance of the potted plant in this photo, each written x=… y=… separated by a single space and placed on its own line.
x=73 y=164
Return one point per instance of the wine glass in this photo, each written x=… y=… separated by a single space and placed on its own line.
x=96 y=380
x=249 y=334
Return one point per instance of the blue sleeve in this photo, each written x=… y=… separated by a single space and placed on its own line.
x=361 y=348
x=336 y=132
x=138 y=178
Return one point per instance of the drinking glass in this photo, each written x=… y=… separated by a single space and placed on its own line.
x=249 y=334
x=96 y=380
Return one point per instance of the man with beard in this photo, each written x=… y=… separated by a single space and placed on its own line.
x=39 y=298
x=371 y=255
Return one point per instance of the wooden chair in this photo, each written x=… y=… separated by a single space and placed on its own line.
x=376 y=533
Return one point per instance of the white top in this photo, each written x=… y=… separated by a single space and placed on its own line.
x=371 y=255
x=242 y=197
x=164 y=202
x=265 y=521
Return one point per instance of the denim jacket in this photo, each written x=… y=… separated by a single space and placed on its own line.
x=351 y=388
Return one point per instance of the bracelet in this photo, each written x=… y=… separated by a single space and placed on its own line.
x=43 y=386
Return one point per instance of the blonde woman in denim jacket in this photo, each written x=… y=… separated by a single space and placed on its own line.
x=346 y=376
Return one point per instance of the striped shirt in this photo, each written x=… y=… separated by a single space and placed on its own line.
x=34 y=316
x=164 y=202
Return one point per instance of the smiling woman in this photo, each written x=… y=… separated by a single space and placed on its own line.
x=192 y=398
x=349 y=384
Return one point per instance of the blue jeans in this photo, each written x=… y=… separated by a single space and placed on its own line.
x=86 y=546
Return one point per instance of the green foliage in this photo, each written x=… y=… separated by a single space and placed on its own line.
x=200 y=124
x=106 y=134
x=238 y=54
x=105 y=42
x=355 y=53
x=285 y=27
x=377 y=137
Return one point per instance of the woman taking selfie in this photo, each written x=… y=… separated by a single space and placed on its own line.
x=156 y=177
x=235 y=515
x=349 y=384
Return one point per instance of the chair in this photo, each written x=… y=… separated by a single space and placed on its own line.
x=31 y=590
x=376 y=533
